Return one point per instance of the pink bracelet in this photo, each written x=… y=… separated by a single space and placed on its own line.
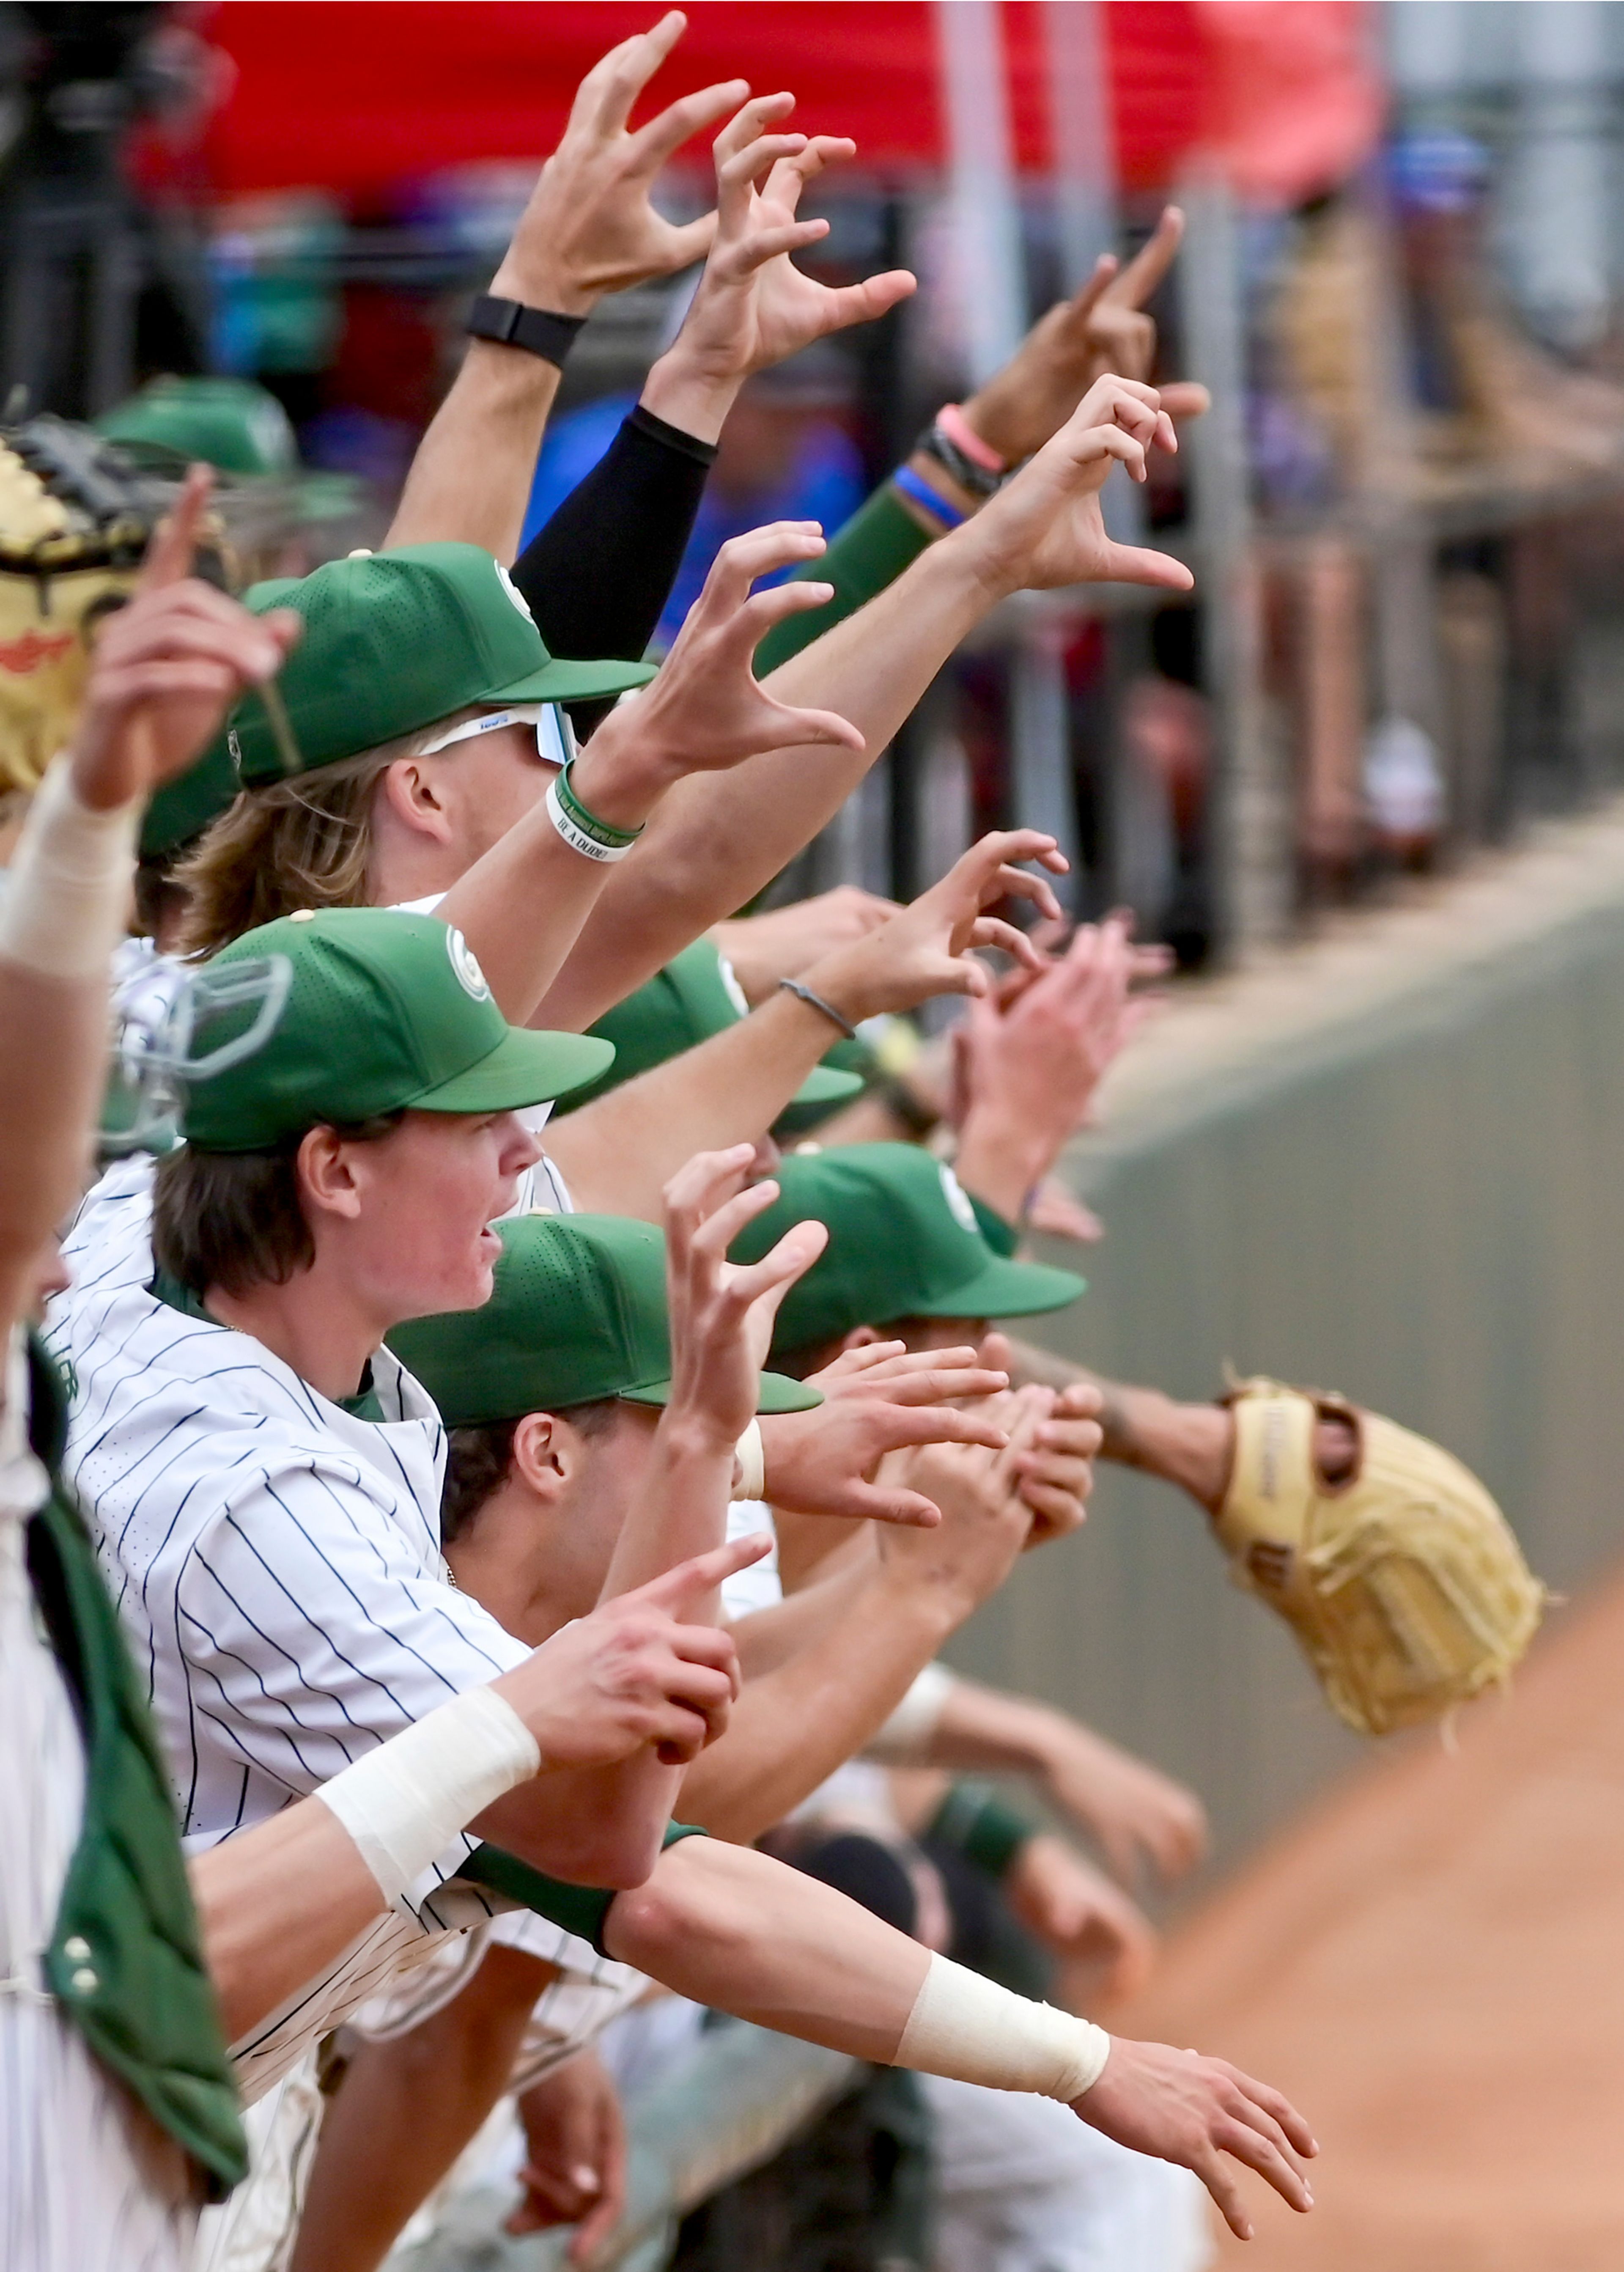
x=958 y=431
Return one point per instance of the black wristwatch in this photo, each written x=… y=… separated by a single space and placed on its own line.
x=538 y=331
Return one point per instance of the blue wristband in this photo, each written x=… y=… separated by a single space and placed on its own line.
x=912 y=486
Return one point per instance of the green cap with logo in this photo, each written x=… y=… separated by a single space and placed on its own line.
x=903 y=1243
x=579 y=1313
x=691 y=999
x=228 y=422
x=383 y=1012
x=392 y=642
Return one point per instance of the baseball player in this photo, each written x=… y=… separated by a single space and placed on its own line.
x=108 y=2027
x=556 y=1384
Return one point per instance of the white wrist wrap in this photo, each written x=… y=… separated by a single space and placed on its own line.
x=68 y=896
x=752 y=1457
x=404 y=1803
x=904 y=1741
x=974 y=2031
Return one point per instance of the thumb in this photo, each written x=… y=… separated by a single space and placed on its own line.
x=1134 y=563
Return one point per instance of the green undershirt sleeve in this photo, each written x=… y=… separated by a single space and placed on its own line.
x=876 y=544
x=581 y=1910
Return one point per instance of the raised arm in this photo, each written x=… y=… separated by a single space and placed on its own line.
x=713 y=845
x=589 y=228
x=618 y=1152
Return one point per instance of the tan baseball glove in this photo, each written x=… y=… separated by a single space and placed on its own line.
x=1405 y=1585
x=75 y=517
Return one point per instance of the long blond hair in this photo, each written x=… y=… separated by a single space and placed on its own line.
x=305 y=843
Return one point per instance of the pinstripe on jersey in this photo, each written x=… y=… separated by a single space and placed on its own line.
x=277 y=1565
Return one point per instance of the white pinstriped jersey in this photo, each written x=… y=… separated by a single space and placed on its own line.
x=87 y=2184
x=276 y=1562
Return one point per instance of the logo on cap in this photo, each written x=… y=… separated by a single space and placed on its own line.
x=513 y=591
x=958 y=1198
x=470 y=977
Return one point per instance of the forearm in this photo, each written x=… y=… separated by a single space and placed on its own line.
x=792 y=1728
x=746 y=1935
x=407 y=2110
x=598 y=575
x=1001 y=1156
x=618 y=1152
x=63 y=911
x=680 y=1508
x=266 y=1932
x=769 y=1638
x=982 y=1730
x=470 y=478
x=53 y=1042
x=599 y=1826
x=719 y=839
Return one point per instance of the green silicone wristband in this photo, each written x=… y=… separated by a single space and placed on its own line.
x=601 y=831
x=982 y=1826
x=877 y=544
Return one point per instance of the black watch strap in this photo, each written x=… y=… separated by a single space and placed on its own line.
x=537 y=330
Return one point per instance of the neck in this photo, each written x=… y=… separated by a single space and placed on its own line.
x=515 y=1560
x=314 y=1324
x=407 y=866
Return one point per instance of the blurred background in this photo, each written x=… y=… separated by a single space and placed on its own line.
x=1367 y=781
x=1402 y=284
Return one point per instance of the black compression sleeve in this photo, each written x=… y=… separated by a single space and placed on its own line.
x=597 y=577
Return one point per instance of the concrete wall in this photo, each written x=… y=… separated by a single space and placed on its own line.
x=1422 y=1204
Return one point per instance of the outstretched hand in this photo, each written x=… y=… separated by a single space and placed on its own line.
x=634 y=1673
x=1101 y=329
x=1044 y=530
x=1183 y=2108
x=722 y=1312
x=930 y=947
x=167 y=668
x=706 y=711
x=879 y=1399
x=753 y=307
x=590 y=227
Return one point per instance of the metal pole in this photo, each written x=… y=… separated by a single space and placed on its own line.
x=1251 y=877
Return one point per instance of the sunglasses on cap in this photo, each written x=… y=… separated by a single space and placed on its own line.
x=555 y=743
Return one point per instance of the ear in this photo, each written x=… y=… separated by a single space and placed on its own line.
x=863 y=1337
x=545 y=1454
x=327 y=1180
x=413 y=789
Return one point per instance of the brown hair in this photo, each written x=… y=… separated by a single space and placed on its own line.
x=306 y=842
x=479 y=1460
x=234 y=1219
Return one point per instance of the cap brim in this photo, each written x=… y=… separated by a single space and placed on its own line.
x=778 y=1393
x=524 y=1068
x=1007 y=1290
x=572 y=682
x=823 y=1085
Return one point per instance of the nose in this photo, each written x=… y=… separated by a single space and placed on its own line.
x=521 y=1146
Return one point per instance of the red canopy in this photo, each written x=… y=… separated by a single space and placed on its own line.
x=357 y=95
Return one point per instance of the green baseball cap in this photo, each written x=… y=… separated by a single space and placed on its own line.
x=681 y=1005
x=394 y=642
x=383 y=1010
x=228 y=422
x=579 y=1312
x=903 y=1243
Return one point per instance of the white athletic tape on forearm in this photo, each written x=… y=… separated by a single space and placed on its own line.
x=751 y=1455
x=68 y=896
x=904 y=1739
x=974 y=2031
x=404 y=1803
